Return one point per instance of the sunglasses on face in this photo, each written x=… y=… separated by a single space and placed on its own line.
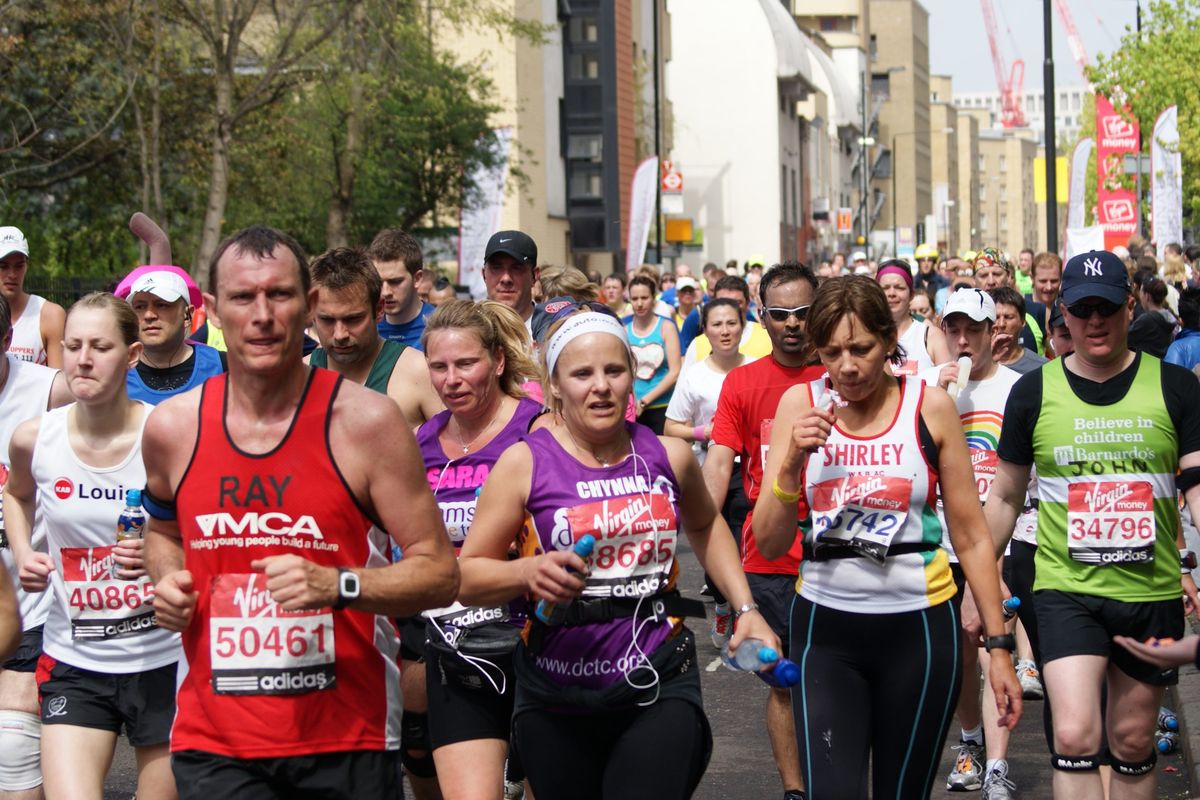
x=779 y=314
x=1085 y=309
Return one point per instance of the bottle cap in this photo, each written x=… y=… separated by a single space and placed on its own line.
x=787 y=674
x=1012 y=603
x=133 y=497
x=767 y=655
x=585 y=545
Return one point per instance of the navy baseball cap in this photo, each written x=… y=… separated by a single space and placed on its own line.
x=1096 y=273
x=513 y=243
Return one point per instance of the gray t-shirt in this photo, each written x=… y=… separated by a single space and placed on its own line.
x=1028 y=362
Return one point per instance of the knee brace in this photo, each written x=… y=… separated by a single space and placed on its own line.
x=20 y=751
x=1133 y=769
x=1075 y=763
x=414 y=736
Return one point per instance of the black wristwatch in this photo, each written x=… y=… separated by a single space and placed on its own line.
x=1006 y=642
x=348 y=587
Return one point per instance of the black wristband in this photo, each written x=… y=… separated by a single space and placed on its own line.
x=1004 y=642
x=1187 y=478
x=156 y=508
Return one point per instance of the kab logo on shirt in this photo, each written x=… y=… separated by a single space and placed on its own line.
x=65 y=488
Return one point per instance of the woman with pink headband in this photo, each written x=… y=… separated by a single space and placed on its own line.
x=924 y=344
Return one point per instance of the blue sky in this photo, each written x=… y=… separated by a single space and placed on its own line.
x=958 y=43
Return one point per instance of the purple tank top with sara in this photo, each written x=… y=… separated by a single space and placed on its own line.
x=455 y=482
x=632 y=509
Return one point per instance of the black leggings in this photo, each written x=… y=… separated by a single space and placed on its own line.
x=877 y=688
x=657 y=753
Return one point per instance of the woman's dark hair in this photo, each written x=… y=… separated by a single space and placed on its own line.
x=644 y=280
x=1189 y=308
x=1156 y=289
x=861 y=296
x=1009 y=297
x=720 y=302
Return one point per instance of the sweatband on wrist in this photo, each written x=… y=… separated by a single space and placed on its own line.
x=784 y=497
x=698 y=434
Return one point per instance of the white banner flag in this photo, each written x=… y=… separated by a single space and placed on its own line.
x=1078 y=183
x=1166 y=181
x=1081 y=240
x=641 y=211
x=477 y=223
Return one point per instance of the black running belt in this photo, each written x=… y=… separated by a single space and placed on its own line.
x=835 y=551
x=660 y=606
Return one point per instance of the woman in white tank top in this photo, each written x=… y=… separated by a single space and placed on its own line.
x=874 y=626
x=106 y=665
x=924 y=345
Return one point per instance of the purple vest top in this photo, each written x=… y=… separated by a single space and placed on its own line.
x=632 y=509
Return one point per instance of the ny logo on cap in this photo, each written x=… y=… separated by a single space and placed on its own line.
x=1091 y=268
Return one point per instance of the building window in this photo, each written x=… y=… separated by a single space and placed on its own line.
x=583 y=67
x=983 y=221
x=1003 y=220
x=982 y=192
x=1003 y=163
x=1075 y=99
x=1003 y=194
x=982 y=163
x=583 y=29
x=586 y=182
x=585 y=146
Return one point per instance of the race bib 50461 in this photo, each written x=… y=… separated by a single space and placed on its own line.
x=258 y=648
x=1111 y=522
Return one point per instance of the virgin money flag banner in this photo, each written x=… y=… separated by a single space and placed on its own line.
x=1116 y=206
x=481 y=219
x=1166 y=181
x=641 y=211
x=1077 y=182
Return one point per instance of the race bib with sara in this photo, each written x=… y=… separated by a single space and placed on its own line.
x=258 y=648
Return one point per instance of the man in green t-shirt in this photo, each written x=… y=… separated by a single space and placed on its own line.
x=1108 y=429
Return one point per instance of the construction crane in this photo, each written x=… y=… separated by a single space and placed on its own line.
x=1012 y=115
x=1073 y=39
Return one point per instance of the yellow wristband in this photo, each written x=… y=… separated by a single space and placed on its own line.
x=783 y=496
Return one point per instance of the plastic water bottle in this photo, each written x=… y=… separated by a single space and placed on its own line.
x=1010 y=607
x=131 y=523
x=552 y=613
x=751 y=654
x=1167 y=721
x=1167 y=741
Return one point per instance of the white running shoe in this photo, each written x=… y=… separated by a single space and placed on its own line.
x=1031 y=680
x=721 y=627
x=967 y=775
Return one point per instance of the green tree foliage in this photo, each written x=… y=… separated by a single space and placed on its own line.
x=1156 y=69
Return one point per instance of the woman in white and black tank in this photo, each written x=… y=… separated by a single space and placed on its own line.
x=106 y=664
x=873 y=629
x=924 y=345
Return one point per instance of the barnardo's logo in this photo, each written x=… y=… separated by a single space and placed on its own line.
x=64 y=488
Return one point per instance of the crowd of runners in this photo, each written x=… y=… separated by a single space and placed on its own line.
x=370 y=503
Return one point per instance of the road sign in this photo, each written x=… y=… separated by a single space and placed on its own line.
x=845 y=220
x=672 y=179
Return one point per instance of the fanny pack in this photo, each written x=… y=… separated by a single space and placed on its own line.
x=592 y=611
x=476 y=658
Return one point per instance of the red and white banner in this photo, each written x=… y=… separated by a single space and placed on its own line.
x=641 y=211
x=1166 y=181
x=1116 y=205
x=481 y=218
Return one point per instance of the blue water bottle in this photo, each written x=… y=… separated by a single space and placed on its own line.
x=131 y=523
x=751 y=654
x=1167 y=741
x=1010 y=607
x=552 y=613
x=1167 y=721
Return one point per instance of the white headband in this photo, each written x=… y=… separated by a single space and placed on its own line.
x=581 y=325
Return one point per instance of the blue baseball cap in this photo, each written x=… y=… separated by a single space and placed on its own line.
x=1096 y=273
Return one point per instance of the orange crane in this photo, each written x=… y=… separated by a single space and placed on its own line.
x=1012 y=115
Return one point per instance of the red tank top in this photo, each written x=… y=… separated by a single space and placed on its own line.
x=259 y=682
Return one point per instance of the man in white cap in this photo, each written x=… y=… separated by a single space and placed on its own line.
x=37 y=328
x=980 y=396
x=169 y=363
x=859 y=263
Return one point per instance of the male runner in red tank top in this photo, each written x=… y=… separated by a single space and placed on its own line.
x=262 y=488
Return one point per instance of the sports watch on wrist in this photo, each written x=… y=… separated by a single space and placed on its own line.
x=348 y=587
x=1187 y=561
x=1004 y=642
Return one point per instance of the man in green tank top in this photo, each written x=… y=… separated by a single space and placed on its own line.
x=348 y=290
x=1108 y=430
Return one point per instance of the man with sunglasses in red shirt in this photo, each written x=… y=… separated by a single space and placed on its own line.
x=742 y=429
x=1108 y=430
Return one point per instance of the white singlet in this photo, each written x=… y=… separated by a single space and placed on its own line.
x=27 y=342
x=25 y=395
x=96 y=622
x=916 y=356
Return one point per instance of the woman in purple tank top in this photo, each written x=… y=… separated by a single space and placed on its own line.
x=477 y=357
x=608 y=692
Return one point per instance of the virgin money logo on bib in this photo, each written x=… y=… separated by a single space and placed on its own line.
x=64 y=488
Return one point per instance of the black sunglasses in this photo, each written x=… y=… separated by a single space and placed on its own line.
x=1084 y=309
x=781 y=314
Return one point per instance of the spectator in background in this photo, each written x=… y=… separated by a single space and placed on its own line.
x=921 y=305
x=1006 y=334
x=442 y=291
x=687 y=303
x=753 y=280
x=398 y=260
x=1023 y=277
x=613 y=290
x=556 y=281
x=594 y=276
x=1175 y=272
x=1153 y=331
x=838 y=265
x=1185 y=350
x=1047 y=275
x=654 y=343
